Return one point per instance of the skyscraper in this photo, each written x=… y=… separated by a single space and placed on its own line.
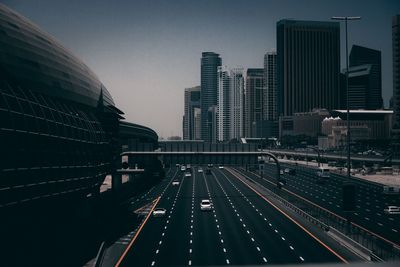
x=209 y=88
x=360 y=55
x=308 y=64
x=224 y=109
x=396 y=73
x=253 y=99
x=192 y=101
x=270 y=102
x=236 y=96
x=361 y=85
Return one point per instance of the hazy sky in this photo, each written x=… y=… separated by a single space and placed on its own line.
x=147 y=51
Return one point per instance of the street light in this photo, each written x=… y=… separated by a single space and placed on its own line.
x=348 y=188
x=345 y=19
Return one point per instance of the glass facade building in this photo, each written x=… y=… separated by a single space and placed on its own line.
x=308 y=65
x=210 y=61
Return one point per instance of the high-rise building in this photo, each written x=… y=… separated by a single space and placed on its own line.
x=210 y=61
x=224 y=101
x=270 y=109
x=308 y=65
x=236 y=96
x=197 y=123
x=212 y=123
x=361 y=83
x=360 y=55
x=396 y=73
x=254 y=92
x=192 y=101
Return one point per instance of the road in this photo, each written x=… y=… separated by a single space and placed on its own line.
x=370 y=200
x=242 y=228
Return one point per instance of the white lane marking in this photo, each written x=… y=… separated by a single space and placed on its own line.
x=264 y=259
x=291 y=247
x=258 y=248
x=157 y=251
x=227 y=261
x=301 y=258
x=190 y=262
x=153 y=262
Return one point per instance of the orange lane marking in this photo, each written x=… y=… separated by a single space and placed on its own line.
x=290 y=218
x=136 y=235
x=334 y=214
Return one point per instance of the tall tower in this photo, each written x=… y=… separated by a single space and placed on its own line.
x=224 y=109
x=192 y=101
x=253 y=100
x=308 y=63
x=210 y=61
x=360 y=55
x=236 y=96
x=270 y=103
x=396 y=73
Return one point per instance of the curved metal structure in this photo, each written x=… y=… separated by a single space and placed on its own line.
x=58 y=123
x=129 y=130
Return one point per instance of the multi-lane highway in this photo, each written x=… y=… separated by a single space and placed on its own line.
x=242 y=228
x=370 y=200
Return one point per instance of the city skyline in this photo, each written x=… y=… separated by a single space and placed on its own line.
x=128 y=50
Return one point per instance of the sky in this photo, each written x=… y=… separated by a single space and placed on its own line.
x=146 y=52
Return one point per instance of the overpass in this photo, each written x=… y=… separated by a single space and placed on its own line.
x=332 y=156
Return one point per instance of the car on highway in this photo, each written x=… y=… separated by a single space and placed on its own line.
x=159 y=212
x=220 y=167
x=188 y=174
x=200 y=170
x=392 y=210
x=210 y=165
x=323 y=173
x=175 y=182
x=177 y=165
x=183 y=168
x=281 y=172
x=287 y=170
x=205 y=205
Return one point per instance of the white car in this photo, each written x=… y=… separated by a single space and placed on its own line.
x=177 y=165
x=159 y=212
x=220 y=167
x=205 y=204
x=183 y=168
x=200 y=170
x=175 y=182
x=287 y=170
x=392 y=210
x=188 y=174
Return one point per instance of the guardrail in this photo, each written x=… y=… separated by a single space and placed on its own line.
x=381 y=249
x=100 y=255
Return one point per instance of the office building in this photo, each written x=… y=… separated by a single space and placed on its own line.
x=308 y=65
x=212 y=123
x=224 y=101
x=254 y=93
x=396 y=73
x=192 y=101
x=236 y=96
x=210 y=61
x=362 y=56
x=270 y=103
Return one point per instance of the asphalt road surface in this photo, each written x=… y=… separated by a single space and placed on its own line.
x=241 y=229
x=370 y=199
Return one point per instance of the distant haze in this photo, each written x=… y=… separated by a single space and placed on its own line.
x=147 y=51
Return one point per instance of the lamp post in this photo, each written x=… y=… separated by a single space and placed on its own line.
x=345 y=19
x=348 y=188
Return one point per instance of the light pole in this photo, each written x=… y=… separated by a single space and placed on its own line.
x=345 y=19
